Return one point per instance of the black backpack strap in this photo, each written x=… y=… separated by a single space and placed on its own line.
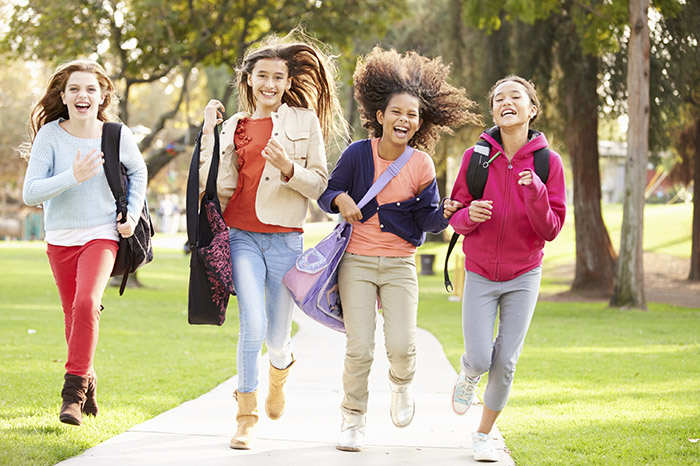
x=448 y=282
x=478 y=169
x=111 y=134
x=541 y=157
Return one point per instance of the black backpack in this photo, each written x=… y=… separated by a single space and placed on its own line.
x=478 y=173
x=136 y=250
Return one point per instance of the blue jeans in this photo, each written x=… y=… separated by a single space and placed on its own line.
x=265 y=306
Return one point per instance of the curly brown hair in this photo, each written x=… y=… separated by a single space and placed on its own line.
x=382 y=74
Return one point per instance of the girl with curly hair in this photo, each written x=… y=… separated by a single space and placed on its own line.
x=65 y=175
x=504 y=235
x=273 y=160
x=405 y=100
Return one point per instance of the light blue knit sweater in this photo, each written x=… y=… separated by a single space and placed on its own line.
x=67 y=204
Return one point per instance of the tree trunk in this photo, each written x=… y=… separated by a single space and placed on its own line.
x=595 y=256
x=695 y=248
x=629 y=286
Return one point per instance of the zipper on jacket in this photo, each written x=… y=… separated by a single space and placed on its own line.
x=506 y=204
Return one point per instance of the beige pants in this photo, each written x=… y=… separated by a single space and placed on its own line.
x=361 y=279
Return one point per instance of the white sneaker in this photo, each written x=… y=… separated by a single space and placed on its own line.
x=483 y=448
x=463 y=393
x=352 y=433
x=402 y=407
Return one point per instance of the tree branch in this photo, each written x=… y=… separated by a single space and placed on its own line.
x=146 y=142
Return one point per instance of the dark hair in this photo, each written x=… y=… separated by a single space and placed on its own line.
x=313 y=75
x=529 y=90
x=51 y=107
x=382 y=74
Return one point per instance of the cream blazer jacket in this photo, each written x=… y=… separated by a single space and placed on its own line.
x=278 y=202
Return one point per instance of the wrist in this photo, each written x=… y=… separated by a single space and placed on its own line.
x=289 y=172
x=208 y=128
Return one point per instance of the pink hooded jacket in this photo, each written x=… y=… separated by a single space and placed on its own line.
x=523 y=217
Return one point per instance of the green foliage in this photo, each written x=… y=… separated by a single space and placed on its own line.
x=595 y=385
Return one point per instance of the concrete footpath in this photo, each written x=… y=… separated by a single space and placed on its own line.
x=198 y=431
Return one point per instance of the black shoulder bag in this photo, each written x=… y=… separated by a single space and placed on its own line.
x=211 y=276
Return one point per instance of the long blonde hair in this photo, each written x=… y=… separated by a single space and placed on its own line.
x=51 y=107
x=313 y=74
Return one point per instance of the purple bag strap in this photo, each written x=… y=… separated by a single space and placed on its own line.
x=390 y=172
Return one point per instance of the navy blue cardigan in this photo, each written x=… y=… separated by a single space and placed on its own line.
x=408 y=219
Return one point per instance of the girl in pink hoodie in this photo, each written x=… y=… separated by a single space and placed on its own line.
x=504 y=235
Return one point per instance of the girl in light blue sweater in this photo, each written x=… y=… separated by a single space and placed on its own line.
x=65 y=175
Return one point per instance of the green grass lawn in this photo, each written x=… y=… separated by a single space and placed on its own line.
x=148 y=359
x=595 y=386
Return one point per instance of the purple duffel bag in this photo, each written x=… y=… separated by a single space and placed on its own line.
x=313 y=281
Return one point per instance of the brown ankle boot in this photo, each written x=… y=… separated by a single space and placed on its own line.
x=247 y=418
x=274 y=404
x=73 y=394
x=90 y=407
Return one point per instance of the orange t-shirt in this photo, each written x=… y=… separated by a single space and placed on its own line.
x=367 y=238
x=252 y=135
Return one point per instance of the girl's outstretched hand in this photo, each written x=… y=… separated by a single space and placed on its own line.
x=347 y=208
x=450 y=206
x=86 y=167
x=480 y=211
x=213 y=115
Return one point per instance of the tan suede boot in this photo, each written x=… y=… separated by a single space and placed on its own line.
x=274 y=404
x=247 y=418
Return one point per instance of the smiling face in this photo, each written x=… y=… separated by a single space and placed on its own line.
x=82 y=96
x=269 y=80
x=401 y=119
x=511 y=106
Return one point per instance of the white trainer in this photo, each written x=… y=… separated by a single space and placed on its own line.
x=402 y=407
x=463 y=393
x=483 y=448
x=352 y=432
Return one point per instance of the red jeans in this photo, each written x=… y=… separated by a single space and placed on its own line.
x=82 y=274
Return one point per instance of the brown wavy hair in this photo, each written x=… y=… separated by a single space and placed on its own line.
x=313 y=73
x=529 y=90
x=382 y=74
x=51 y=107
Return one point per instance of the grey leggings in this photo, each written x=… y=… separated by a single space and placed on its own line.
x=480 y=308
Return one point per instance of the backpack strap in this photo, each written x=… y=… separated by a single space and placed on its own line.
x=111 y=135
x=478 y=169
x=541 y=157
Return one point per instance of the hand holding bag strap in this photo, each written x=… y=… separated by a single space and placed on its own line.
x=390 y=172
x=111 y=134
x=192 y=200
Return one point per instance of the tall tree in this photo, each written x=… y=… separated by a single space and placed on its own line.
x=629 y=283
x=681 y=38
